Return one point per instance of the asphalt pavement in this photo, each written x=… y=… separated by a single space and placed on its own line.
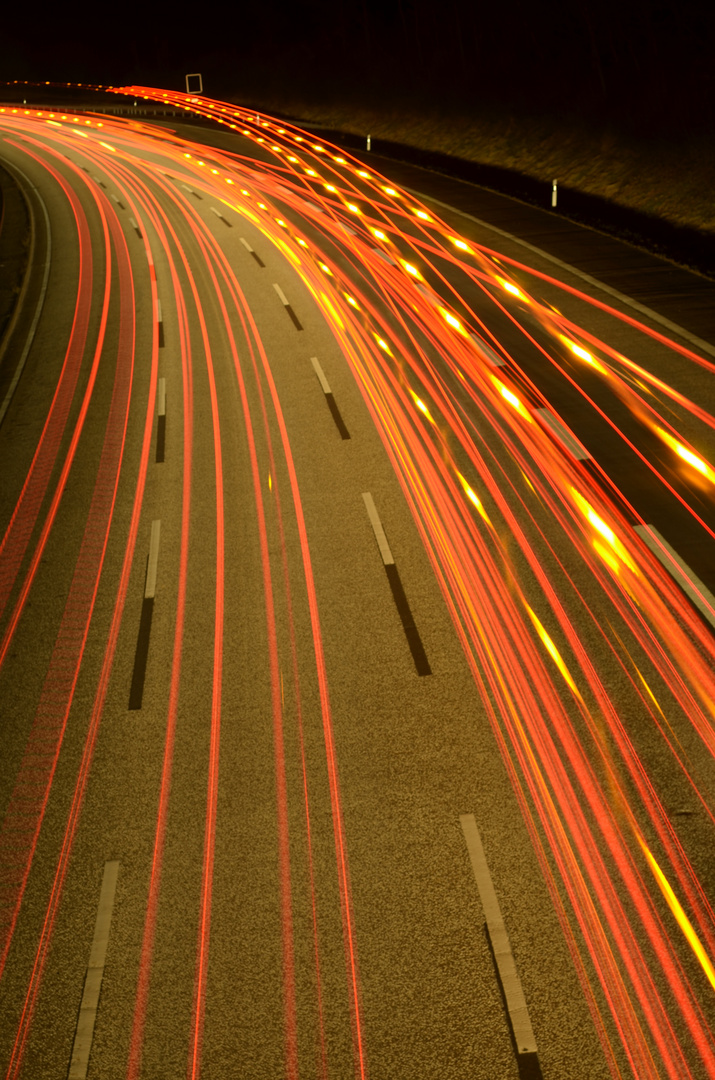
x=294 y=896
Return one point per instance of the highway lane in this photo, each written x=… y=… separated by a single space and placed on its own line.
x=292 y=695
x=266 y=1041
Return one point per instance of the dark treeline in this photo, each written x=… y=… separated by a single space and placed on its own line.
x=642 y=64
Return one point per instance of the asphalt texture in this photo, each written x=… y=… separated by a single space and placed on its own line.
x=414 y=752
x=15 y=234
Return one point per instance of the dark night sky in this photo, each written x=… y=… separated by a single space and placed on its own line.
x=640 y=61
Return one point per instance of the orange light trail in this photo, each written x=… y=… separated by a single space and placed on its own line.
x=581 y=645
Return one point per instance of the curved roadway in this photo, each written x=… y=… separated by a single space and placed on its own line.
x=333 y=538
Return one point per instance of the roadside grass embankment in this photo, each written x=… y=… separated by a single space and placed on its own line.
x=657 y=191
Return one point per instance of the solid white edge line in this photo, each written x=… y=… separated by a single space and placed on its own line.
x=246 y=244
x=511 y=983
x=162 y=397
x=562 y=433
x=281 y=294
x=679 y=570
x=641 y=308
x=378 y=529
x=84 y=1032
x=320 y=373
x=150 y=588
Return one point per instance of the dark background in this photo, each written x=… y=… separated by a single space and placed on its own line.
x=643 y=66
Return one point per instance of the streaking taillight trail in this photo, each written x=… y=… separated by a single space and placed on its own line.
x=578 y=639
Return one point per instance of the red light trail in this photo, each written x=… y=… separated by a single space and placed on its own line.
x=583 y=647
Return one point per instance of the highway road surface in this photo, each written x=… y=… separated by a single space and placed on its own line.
x=357 y=678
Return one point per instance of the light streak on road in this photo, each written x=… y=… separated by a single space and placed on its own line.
x=17 y=535
x=149 y=933
x=25 y=1018
x=583 y=648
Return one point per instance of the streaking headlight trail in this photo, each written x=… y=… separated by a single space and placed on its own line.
x=585 y=650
